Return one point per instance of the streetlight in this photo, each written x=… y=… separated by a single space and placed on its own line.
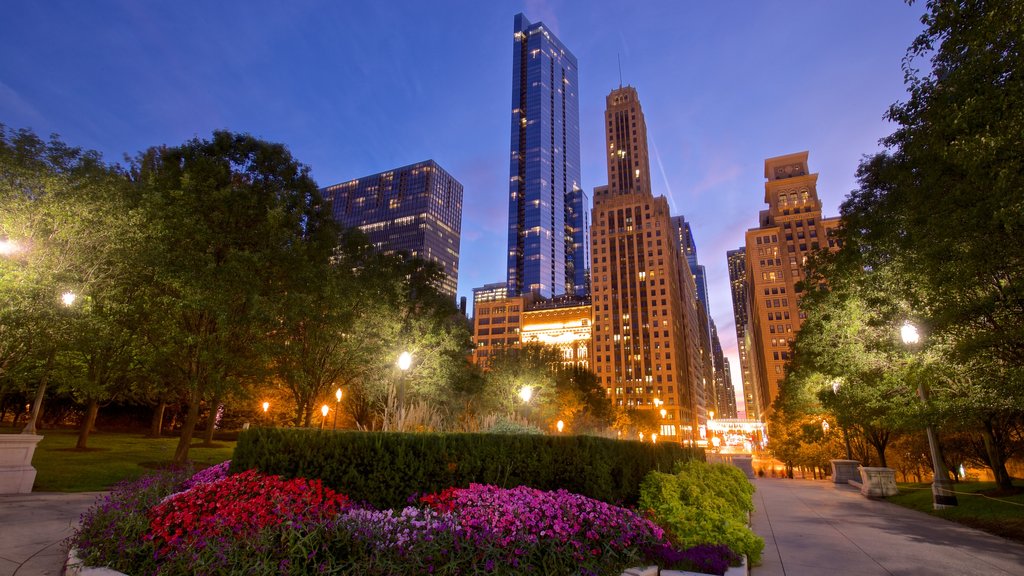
x=337 y=409
x=404 y=362
x=942 y=493
x=654 y=438
x=560 y=425
x=525 y=393
x=324 y=410
x=9 y=247
x=824 y=426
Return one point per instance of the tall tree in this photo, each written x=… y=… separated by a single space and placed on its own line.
x=945 y=201
x=231 y=217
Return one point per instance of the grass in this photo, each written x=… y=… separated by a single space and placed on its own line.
x=110 y=458
x=1002 y=516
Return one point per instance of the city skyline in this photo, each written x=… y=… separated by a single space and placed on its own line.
x=358 y=89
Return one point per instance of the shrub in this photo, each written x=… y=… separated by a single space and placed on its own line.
x=703 y=504
x=383 y=468
x=505 y=426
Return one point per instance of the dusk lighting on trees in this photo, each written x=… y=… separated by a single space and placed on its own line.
x=942 y=493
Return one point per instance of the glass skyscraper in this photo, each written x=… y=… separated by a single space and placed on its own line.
x=415 y=209
x=548 y=210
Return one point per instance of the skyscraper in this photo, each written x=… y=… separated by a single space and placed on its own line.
x=415 y=209
x=646 y=334
x=790 y=229
x=737 y=260
x=547 y=209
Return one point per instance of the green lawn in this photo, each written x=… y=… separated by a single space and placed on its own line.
x=111 y=457
x=1003 y=516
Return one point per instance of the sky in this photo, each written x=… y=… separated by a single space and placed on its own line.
x=358 y=87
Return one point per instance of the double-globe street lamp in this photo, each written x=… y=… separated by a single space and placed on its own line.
x=942 y=490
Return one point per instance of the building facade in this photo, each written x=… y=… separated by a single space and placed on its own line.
x=776 y=255
x=565 y=324
x=415 y=209
x=737 y=262
x=547 y=210
x=646 y=334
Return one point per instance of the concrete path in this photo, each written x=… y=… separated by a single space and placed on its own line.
x=816 y=527
x=33 y=528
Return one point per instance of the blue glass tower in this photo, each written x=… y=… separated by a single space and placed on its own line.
x=548 y=210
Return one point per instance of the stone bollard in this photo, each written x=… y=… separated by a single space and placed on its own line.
x=844 y=470
x=878 y=482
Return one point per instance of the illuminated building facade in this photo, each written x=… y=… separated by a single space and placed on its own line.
x=737 y=261
x=496 y=326
x=565 y=325
x=415 y=209
x=646 y=350
x=776 y=253
x=547 y=210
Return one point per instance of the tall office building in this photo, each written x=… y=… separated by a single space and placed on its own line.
x=709 y=368
x=724 y=394
x=646 y=333
x=790 y=229
x=547 y=209
x=737 y=261
x=415 y=209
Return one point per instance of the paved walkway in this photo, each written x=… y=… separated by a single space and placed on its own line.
x=33 y=527
x=816 y=527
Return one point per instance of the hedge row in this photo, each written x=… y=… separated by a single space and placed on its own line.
x=385 y=469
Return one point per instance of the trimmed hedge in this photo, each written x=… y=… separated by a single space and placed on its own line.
x=386 y=468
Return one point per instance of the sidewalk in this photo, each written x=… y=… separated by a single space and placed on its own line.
x=816 y=527
x=33 y=527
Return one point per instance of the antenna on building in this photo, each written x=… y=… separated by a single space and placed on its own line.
x=619 y=58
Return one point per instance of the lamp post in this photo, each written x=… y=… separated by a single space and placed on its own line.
x=560 y=425
x=337 y=408
x=404 y=362
x=324 y=410
x=942 y=493
x=266 y=407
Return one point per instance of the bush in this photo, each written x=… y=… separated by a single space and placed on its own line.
x=384 y=468
x=703 y=504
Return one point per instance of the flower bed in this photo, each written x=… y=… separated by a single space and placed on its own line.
x=252 y=523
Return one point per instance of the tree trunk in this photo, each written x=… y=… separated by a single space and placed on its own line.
x=187 y=429
x=157 y=425
x=37 y=404
x=88 y=421
x=211 y=421
x=995 y=456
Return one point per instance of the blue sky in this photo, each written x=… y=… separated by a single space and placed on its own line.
x=359 y=87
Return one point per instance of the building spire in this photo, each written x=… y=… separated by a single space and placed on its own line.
x=619 y=58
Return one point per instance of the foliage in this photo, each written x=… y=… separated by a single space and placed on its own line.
x=703 y=504
x=561 y=531
x=955 y=159
x=511 y=426
x=384 y=468
x=237 y=506
x=112 y=532
x=251 y=524
x=230 y=220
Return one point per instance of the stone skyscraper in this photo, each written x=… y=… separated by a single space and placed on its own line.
x=790 y=229
x=547 y=209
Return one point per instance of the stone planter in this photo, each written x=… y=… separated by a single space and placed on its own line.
x=878 y=482
x=844 y=471
x=16 y=472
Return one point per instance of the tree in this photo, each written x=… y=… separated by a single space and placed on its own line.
x=230 y=217
x=945 y=201
x=67 y=231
